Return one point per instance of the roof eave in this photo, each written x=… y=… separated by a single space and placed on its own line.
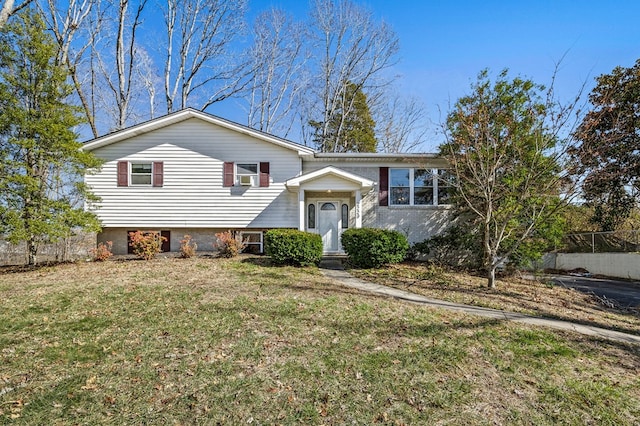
x=186 y=114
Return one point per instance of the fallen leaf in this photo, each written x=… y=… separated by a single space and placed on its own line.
x=90 y=383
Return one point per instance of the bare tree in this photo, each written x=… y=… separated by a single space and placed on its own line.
x=119 y=86
x=197 y=59
x=9 y=8
x=146 y=74
x=75 y=28
x=278 y=57
x=401 y=123
x=352 y=49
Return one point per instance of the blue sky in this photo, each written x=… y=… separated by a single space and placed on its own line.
x=444 y=44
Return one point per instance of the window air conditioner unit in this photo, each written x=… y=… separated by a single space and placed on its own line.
x=246 y=180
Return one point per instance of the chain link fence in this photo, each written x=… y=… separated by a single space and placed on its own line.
x=602 y=242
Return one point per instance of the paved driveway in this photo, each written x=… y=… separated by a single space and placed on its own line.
x=624 y=293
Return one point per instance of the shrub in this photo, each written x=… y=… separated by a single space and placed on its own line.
x=293 y=247
x=146 y=245
x=456 y=247
x=102 y=252
x=188 y=247
x=228 y=245
x=372 y=248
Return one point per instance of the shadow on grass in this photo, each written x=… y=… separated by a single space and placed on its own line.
x=17 y=269
x=263 y=261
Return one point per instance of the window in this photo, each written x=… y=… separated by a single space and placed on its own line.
x=252 y=242
x=311 y=216
x=419 y=187
x=399 y=188
x=141 y=173
x=247 y=174
x=345 y=216
x=446 y=179
x=328 y=206
x=422 y=187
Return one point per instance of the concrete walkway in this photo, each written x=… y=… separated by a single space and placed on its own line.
x=334 y=269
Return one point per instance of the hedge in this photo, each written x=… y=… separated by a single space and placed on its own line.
x=293 y=247
x=372 y=247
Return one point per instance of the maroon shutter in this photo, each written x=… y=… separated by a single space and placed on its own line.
x=384 y=186
x=123 y=173
x=227 y=171
x=158 y=173
x=264 y=175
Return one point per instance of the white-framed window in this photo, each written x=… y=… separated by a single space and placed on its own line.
x=247 y=174
x=141 y=173
x=419 y=187
x=446 y=181
x=400 y=187
x=252 y=241
x=423 y=187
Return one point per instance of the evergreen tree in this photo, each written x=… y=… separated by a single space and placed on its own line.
x=351 y=128
x=41 y=164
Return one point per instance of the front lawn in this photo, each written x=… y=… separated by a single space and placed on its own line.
x=212 y=341
x=533 y=297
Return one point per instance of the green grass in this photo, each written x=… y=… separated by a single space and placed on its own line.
x=207 y=341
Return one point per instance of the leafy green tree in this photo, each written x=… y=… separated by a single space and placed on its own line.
x=610 y=147
x=508 y=176
x=351 y=127
x=41 y=189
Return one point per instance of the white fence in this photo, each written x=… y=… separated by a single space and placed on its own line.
x=620 y=265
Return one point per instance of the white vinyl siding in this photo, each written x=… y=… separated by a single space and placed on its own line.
x=193 y=195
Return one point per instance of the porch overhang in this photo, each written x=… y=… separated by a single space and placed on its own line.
x=330 y=179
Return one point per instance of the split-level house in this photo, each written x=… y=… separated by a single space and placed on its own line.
x=193 y=173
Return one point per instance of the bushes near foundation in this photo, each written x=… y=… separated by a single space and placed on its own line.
x=293 y=247
x=372 y=248
x=146 y=245
x=228 y=244
x=102 y=252
x=188 y=247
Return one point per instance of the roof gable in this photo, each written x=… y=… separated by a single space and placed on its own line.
x=294 y=183
x=186 y=114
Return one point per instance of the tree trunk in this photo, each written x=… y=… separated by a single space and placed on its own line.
x=32 y=252
x=5 y=12
x=491 y=276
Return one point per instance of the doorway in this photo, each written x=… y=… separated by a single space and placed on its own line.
x=329 y=225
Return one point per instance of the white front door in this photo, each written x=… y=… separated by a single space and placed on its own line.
x=328 y=218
